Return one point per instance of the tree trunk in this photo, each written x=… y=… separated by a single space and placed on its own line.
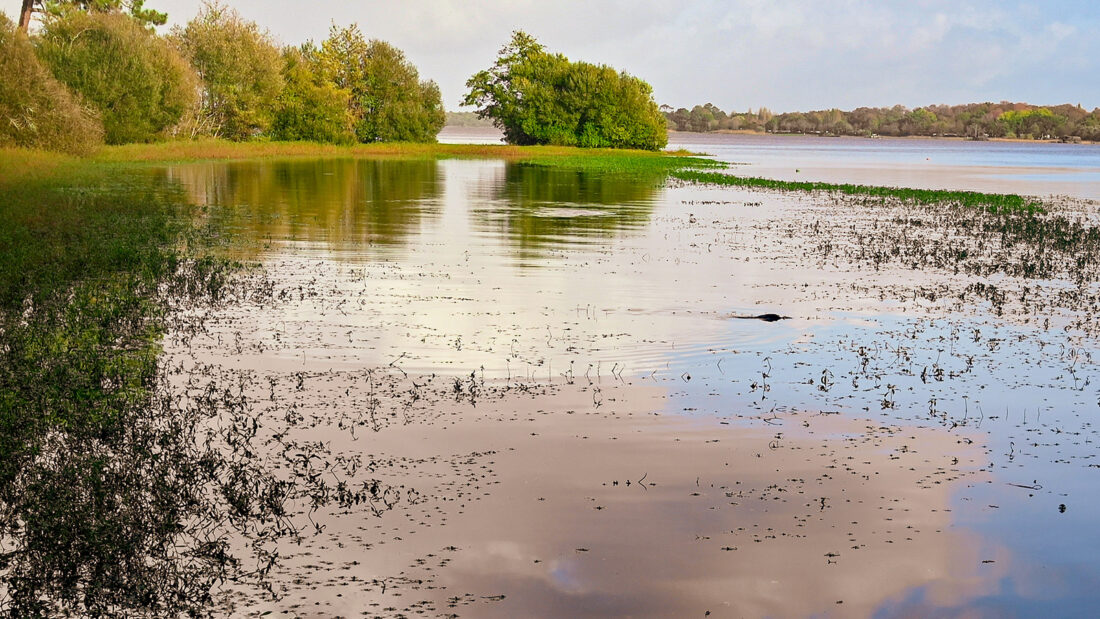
x=25 y=15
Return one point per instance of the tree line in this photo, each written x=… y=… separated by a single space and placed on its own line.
x=974 y=120
x=97 y=72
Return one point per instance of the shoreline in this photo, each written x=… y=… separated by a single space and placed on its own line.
x=883 y=137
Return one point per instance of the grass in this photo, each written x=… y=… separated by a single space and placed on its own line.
x=993 y=202
x=212 y=149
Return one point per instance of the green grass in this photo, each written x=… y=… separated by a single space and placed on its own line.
x=212 y=149
x=993 y=202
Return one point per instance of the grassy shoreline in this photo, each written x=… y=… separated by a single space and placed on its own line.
x=993 y=202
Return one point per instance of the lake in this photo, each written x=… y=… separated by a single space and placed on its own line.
x=1028 y=168
x=562 y=372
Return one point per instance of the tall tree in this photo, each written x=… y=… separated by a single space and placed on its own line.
x=136 y=9
x=241 y=71
x=388 y=101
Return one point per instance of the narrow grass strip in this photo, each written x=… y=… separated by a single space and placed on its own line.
x=992 y=202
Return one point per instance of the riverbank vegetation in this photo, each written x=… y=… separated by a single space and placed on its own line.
x=97 y=72
x=992 y=202
x=973 y=120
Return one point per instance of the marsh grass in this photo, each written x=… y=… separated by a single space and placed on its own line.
x=992 y=202
x=119 y=495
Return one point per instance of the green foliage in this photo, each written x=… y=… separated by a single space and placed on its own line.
x=992 y=202
x=540 y=98
x=388 y=101
x=135 y=8
x=138 y=82
x=311 y=108
x=241 y=71
x=36 y=111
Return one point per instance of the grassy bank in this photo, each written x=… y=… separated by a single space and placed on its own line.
x=993 y=202
x=199 y=150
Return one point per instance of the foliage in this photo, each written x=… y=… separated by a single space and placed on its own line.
x=241 y=71
x=1002 y=119
x=36 y=111
x=388 y=101
x=311 y=108
x=135 y=8
x=540 y=98
x=992 y=202
x=138 y=82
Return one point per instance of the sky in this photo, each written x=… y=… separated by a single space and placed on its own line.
x=785 y=55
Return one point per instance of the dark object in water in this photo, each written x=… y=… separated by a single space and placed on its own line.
x=764 y=317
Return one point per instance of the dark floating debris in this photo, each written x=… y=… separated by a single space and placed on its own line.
x=764 y=317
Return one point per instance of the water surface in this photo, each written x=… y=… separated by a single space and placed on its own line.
x=885 y=443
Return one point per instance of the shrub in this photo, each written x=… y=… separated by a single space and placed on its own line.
x=540 y=98
x=35 y=110
x=138 y=82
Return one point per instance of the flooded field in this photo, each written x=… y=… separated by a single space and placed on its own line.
x=558 y=386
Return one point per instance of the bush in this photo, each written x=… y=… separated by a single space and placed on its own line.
x=138 y=82
x=35 y=110
x=388 y=101
x=540 y=98
x=241 y=71
x=309 y=107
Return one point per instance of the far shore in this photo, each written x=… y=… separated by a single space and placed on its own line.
x=882 y=137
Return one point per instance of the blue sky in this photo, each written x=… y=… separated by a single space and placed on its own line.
x=782 y=54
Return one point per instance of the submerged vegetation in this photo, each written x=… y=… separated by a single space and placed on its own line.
x=127 y=487
x=994 y=202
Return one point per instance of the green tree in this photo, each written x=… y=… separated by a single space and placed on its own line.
x=310 y=107
x=136 y=80
x=388 y=101
x=36 y=111
x=536 y=97
x=241 y=71
x=58 y=8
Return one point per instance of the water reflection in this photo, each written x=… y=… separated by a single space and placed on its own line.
x=538 y=207
x=347 y=205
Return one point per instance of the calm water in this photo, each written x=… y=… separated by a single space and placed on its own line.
x=1000 y=167
x=629 y=292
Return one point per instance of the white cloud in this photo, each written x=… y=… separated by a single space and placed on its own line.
x=783 y=54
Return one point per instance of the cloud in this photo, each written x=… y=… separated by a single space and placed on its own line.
x=783 y=54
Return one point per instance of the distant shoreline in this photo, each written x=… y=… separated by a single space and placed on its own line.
x=882 y=137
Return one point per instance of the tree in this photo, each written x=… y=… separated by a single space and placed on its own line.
x=536 y=97
x=240 y=68
x=58 y=8
x=388 y=101
x=36 y=111
x=310 y=107
x=138 y=82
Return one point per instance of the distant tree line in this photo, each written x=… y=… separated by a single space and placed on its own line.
x=976 y=120
x=97 y=72
x=467 y=119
